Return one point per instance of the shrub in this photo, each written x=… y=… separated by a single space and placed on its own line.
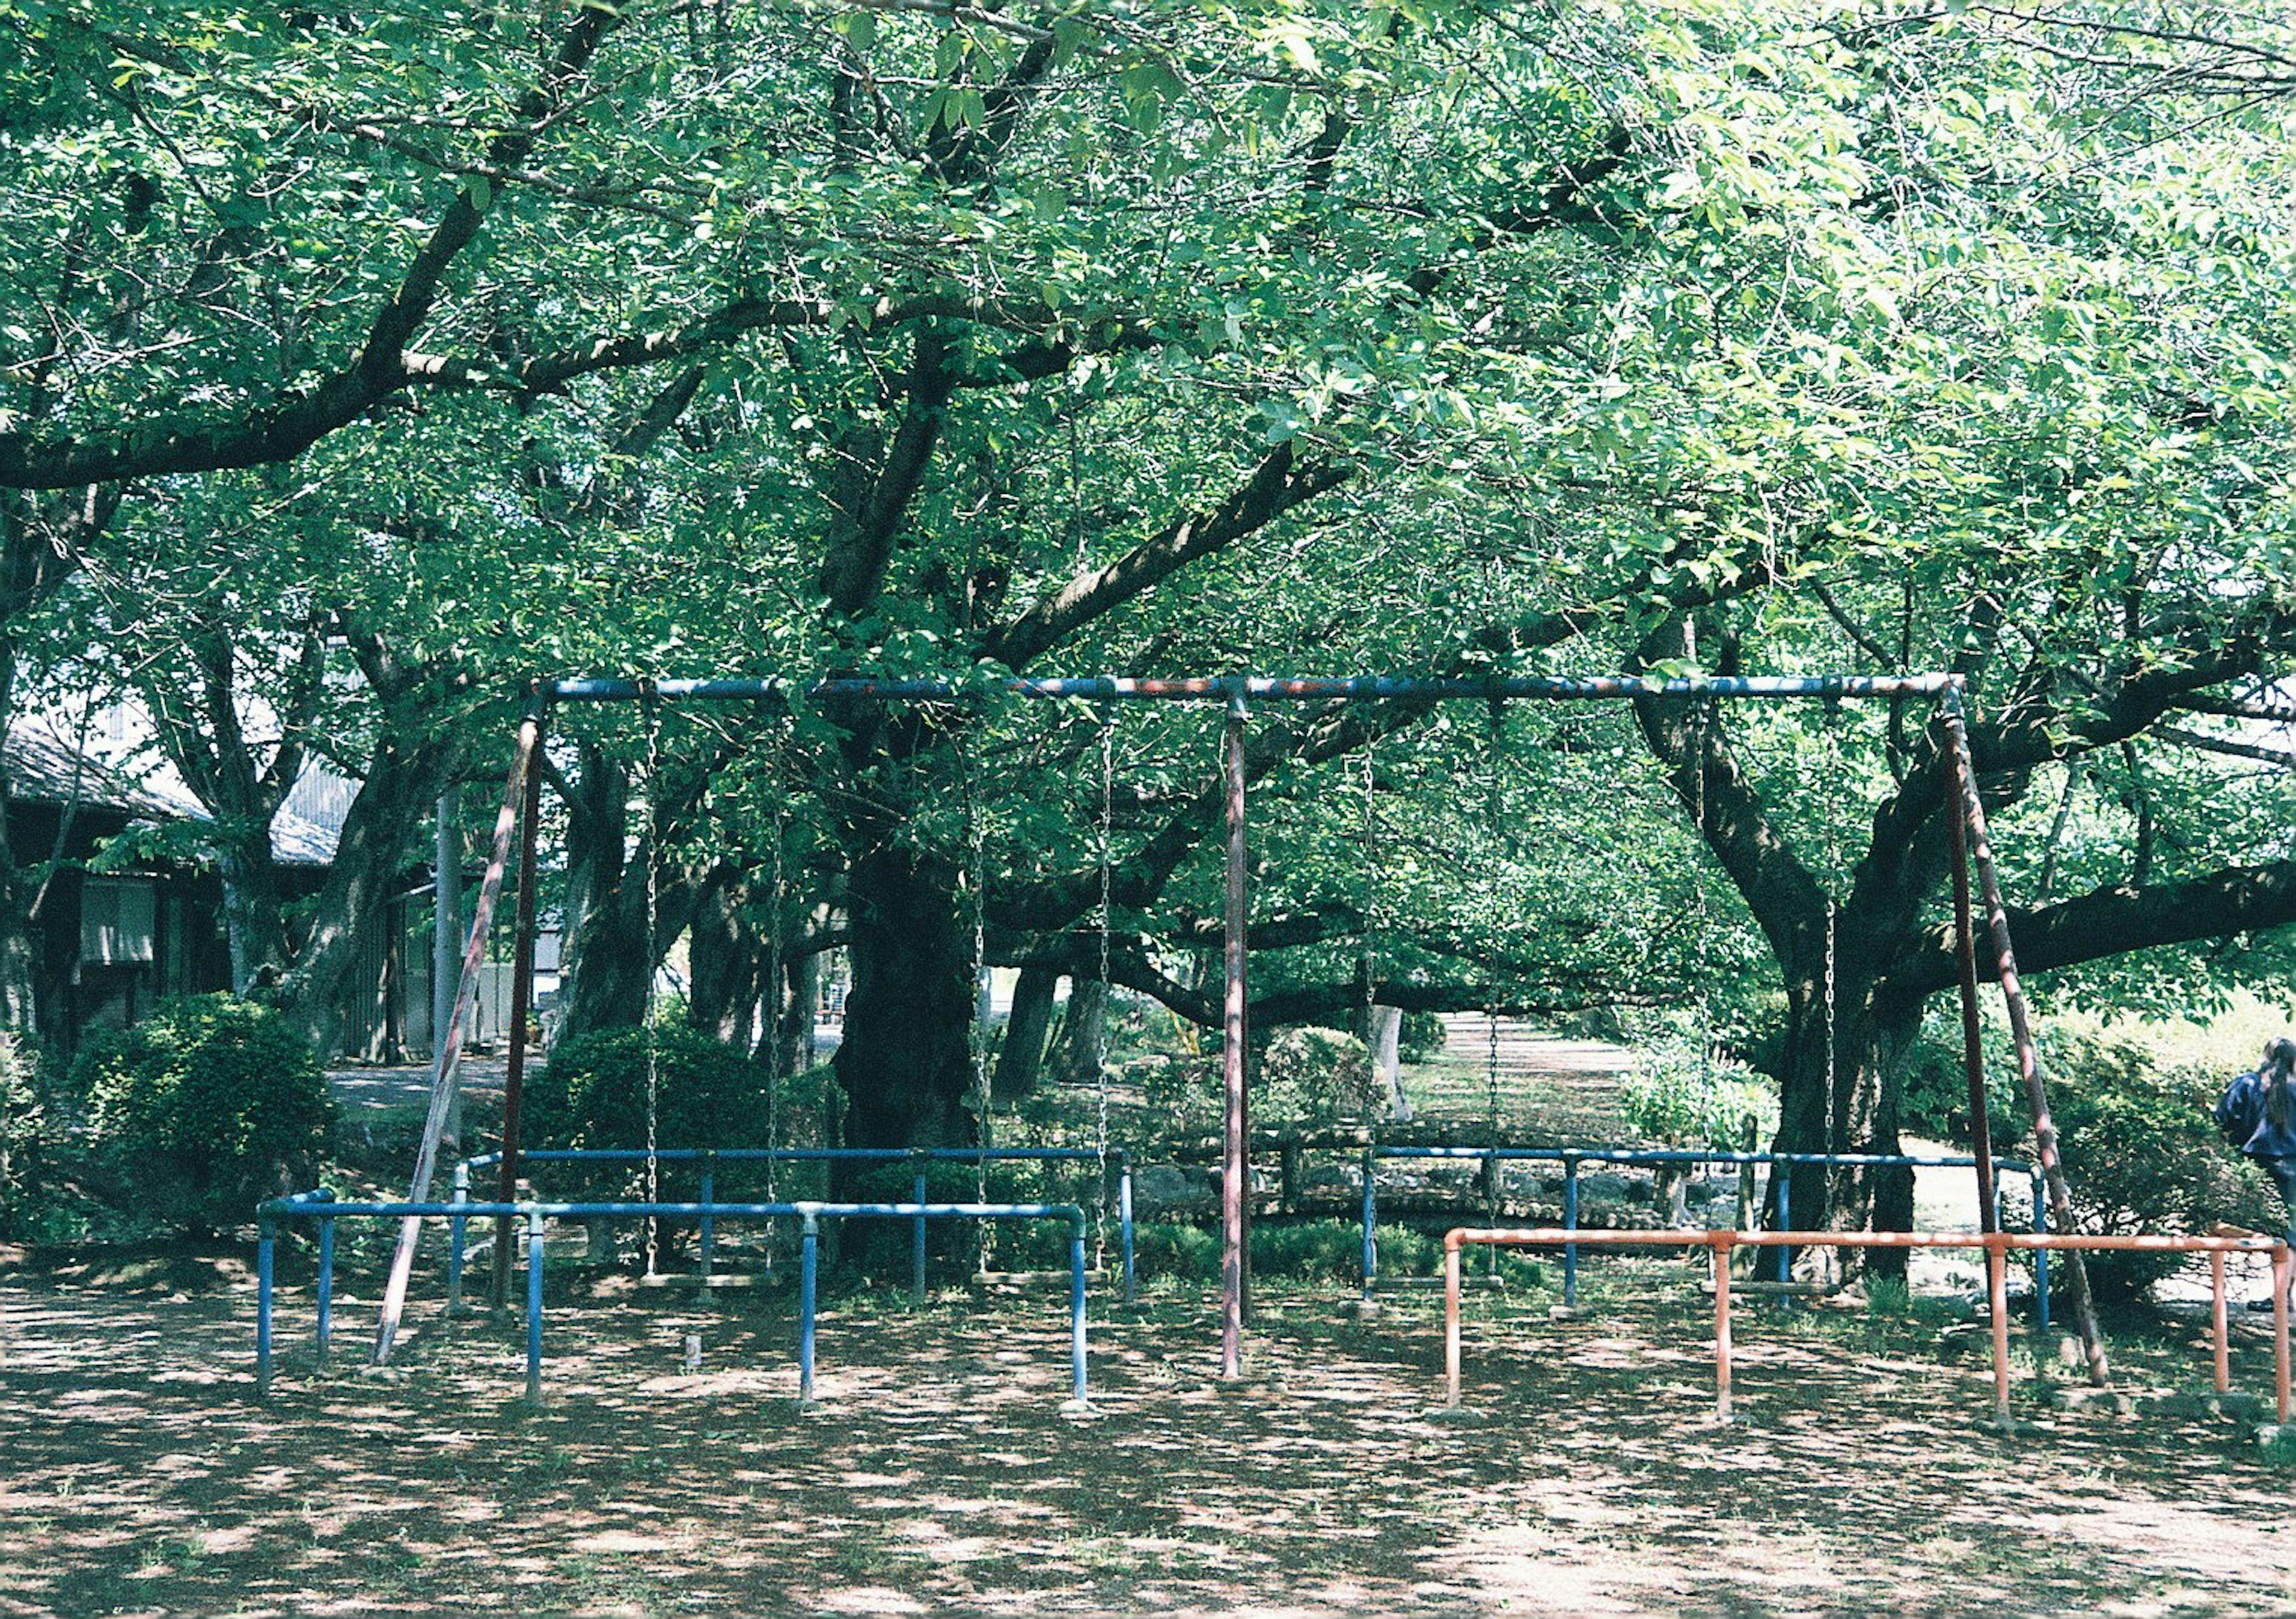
x=1678 y=1094
x=2142 y=1154
x=24 y=1140
x=206 y=1107
x=1311 y=1076
x=706 y=1093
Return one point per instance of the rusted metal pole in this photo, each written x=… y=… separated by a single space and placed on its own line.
x=1722 y=1242
x=1236 y=1180
x=447 y=1070
x=2021 y=1031
x=522 y=1002
x=1973 y=1036
x=2219 y=1328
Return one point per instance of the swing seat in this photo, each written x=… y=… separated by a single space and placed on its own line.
x=715 y=1281
x=1003 y=1281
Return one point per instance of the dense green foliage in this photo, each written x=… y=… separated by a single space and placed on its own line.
x=667 y=1085
x=204 y=1109
x=1679 y=1093
x=1447 y=337
x=25 y=1144
x=2142 y=1153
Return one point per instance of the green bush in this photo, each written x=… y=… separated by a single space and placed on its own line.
x=1310 y=1077
x=594 y=1093
x=204 y=1109
x=1934 y=1087
x=1305 y=1250
x=25 y=1145
x=1678 y=1094
x=2142 y=1154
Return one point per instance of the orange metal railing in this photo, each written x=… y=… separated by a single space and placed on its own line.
x=1996 y=1246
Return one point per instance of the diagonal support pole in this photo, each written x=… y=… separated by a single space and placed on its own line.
x=447 y=1068
x=2021 y=1031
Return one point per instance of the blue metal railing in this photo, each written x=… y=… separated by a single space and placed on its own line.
x=322 y=1206
x=710 y=1157
x=1571 y=1158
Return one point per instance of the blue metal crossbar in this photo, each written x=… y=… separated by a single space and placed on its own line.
x=322 y=1206
x=1571 y=1158
x=1552 y=688
x=710 y=1157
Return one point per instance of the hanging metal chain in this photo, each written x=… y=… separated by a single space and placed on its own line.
x=651 y=849
x=1372 y=1100
x=1100 y=1029
x=977 y=1032
x=1829 y=1001
x=775 y=1027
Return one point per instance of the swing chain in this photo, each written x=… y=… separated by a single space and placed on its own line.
x=650 y=848
x=1830 y=1057
x=1100 y=1029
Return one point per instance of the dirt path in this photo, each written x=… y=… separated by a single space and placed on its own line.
x=938 y=1477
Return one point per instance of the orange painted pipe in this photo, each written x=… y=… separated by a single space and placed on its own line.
x=1451 y=1241
x=2219 y=1328
x=1997 y=1245
x=1997 y=1288
x=2280 y=1329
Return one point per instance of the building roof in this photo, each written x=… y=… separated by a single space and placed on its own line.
x=47 y=766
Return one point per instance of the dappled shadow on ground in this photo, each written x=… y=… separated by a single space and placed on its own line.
x=938 y=1475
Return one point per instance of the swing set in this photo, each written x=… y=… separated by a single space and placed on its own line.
x=1237 y=695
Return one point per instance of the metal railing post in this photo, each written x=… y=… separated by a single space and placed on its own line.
x=458 y=1237
x=709 y=1255
x=1124 y=1229
x=1370 y=1218
x=808 y=1273
x=1571 y=1223
x=326 y=1288
x=917 y=1236
x=534 y=1307
x=1076 y=1310
x=266 y=1241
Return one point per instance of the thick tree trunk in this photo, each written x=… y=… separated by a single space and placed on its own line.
x=726 y=956
x=1021 y=1060
x=1081 y=1044
x=905 y=1065
x=603 y=981
x=380 y=838
x=254 y=915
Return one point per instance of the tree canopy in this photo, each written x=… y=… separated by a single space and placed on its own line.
x=355 y=365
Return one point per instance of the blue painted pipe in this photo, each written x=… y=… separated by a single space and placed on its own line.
x=457 y=1241
x=265 y=1240
x=1370 y=1221
x=1075 y=1309
x=1785 y=1223
x=1124 y=1232
x=808 y=1268
x=1571 y=1158
x=917 y=1243
x=800 y=1155
x=534 y=1308
x=326 y=1287
x=709 y=1223
x=1569 y=1223
x=604 y=689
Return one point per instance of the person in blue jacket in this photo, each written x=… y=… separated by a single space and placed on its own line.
x=2257 y=1115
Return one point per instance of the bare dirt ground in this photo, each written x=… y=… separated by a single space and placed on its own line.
x=138 y=1475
